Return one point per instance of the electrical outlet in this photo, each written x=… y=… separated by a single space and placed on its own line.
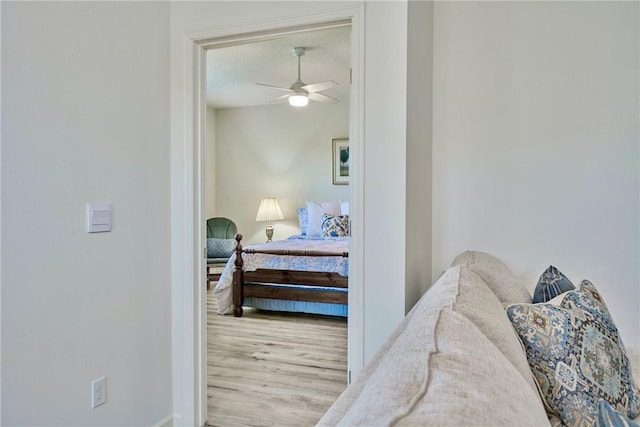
x=98 y=392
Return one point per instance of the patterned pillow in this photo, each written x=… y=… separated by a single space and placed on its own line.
x=303 y=220
x=576 y=355
x=609 y=417
x=335 y=226
x=220 y=248
x=551 y=284
x=315 y=212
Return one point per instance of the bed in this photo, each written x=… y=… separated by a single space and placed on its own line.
x=300 y=274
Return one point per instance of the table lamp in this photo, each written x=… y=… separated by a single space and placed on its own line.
x=269 y=210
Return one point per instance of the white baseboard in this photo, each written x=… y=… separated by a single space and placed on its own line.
x=165 y=422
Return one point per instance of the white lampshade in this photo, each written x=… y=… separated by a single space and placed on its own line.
x=298 y=99
x=269 y=210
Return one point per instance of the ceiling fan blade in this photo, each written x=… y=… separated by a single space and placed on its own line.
x=275 y=87
x=320 y=86
x=323 y=98
x=283 y=96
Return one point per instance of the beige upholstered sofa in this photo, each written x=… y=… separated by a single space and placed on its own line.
x=454 y=360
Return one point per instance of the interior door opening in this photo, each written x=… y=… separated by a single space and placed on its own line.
x=247 y=144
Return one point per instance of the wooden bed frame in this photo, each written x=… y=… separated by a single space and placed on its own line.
x=258 y=283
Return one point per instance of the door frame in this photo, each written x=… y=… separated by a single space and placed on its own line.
x=189 y=350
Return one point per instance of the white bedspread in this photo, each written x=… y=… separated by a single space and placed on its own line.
x=223 y=290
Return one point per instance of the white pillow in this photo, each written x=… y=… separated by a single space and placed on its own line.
x=344 y=208
x=315 y=212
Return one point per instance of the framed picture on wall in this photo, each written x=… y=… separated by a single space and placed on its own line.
x=340 y=161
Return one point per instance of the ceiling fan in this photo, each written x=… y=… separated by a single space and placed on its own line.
x=299 y=93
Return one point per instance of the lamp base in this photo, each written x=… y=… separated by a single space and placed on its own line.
x=269 y=231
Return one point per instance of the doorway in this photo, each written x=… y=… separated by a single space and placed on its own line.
x=187 y=235
x=277 y=367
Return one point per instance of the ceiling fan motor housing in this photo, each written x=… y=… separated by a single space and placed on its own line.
x=299 y=51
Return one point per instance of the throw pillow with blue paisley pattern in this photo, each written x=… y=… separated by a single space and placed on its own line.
x=335 y=226
x=576 y=355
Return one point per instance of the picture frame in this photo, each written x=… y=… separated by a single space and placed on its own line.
x=340 y=159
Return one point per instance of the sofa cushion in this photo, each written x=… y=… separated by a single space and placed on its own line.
x=396 y=385
x=449 y=385
x=576 y=355
x=551 y=284
x=476 y=301
x=423 y=317
x=497 y=275
x=465 y=389
x=397 y=370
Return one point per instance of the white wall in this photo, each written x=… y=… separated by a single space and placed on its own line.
x=419 y=145
x=536 y=142
x=85 y=118
x=209 y=165
x=275 y=151
x=385 y=173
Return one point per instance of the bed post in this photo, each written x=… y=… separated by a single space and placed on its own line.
x=238 y=279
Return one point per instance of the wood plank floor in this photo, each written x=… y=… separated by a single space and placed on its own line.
x=273 y=369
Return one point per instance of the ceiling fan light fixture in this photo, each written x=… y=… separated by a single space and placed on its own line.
x=299 y=93
x=298 y=99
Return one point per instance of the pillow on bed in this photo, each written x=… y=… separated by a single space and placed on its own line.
x=315 y=212
x=220 y=248
x=303 y=220
x=344 y=208
x=335 y=226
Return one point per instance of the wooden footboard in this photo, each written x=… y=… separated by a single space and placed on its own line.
x=259 y=283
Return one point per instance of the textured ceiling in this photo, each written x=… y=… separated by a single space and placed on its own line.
x=232 y=72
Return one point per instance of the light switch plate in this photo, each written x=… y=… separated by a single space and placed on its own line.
x=98 y=217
